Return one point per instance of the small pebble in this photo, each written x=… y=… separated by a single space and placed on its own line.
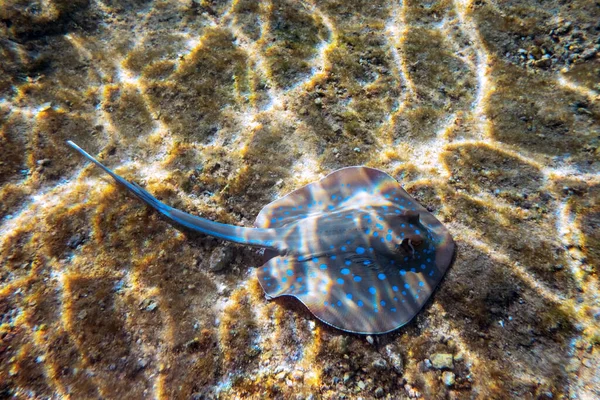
x=380 y=364
x=394 y=357
x=448 y=378
x=573 y=365
x=220 y=258
x=152 y=306
x=347 y=377
x=142 y=363
x=442 y=361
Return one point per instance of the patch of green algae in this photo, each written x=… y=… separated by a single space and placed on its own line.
x=218 y=108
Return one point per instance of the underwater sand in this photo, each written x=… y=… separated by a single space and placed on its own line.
x=487 y=112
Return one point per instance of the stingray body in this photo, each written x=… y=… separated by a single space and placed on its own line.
x=355 y=248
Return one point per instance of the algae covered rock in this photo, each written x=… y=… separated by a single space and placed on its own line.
x=442 y=361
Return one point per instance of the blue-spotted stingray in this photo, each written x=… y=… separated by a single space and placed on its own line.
x=355 y=248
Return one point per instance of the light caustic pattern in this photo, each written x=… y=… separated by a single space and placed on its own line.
x=219 y=108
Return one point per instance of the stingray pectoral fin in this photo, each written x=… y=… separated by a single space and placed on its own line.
x=238 y=234
x=343 y=293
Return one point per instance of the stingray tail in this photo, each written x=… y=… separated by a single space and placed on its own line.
x=133 y=187
x=238 y=234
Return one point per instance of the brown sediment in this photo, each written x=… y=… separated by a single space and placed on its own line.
x=486 y=112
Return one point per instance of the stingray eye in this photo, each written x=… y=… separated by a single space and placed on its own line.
x=410 y=243
x=416 y=240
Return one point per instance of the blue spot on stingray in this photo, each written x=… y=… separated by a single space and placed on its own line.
x=333 y=257
x=286 y=261
x=330 y=207
x=349 y=296
x=323 y=266
x=274 y=220
x=413 y=270
x=357 y=278
x=375 y=310
x=359 y=303
x=333 y=197
x=404 y=292
x=407 y=286
x=360 y=250
x=389 y=237
x=268 y=284
x=315 y=260
x=392 y=309
x=397 y=211
x=417 y=231
x=367 y=231
x=421 y=284
x=289 y=272
x=402 y=272
x=347 y=262
x=381 y=276
x=339 y=303
x=382 y=303
x=345 y=271
x=343 y=248
x=340 y=281
x=379 y=226
x=422 y=266
x=299 y=279
x=395 y=288
x=367 y=262
x=402 y=226
x=387 y=196
x=375 y=234
x=284 y=279
x=325 y=303
x=287 y=213
x=372 y=290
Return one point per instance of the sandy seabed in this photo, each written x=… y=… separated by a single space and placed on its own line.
x=486 y=111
